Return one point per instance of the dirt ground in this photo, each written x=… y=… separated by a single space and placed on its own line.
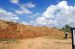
x=37 y=43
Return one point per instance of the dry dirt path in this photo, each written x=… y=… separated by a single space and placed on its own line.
x=39 y=43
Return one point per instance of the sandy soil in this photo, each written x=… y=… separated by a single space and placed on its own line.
x=37 y=43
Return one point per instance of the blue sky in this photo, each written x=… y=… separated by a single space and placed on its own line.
x=51 y=13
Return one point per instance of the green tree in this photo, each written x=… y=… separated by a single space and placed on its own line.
x=66 y=28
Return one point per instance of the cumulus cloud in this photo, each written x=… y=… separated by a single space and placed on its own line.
x=8 y=16
x=57 y=15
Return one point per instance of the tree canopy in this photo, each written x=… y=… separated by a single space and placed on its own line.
x=66 y=28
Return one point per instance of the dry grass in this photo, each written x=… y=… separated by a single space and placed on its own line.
x=20 y=31
x=31 y=37
x=38 y=43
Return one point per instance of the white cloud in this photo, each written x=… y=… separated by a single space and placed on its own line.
x=23 y=7
x=23 y=10
x=41 y=20
x=49 y=12
x=25 y=23
x=62 y=4
x=29 y=5
x=36 y=14
x=57 y=15
x=8 y=16
x=14 y=1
